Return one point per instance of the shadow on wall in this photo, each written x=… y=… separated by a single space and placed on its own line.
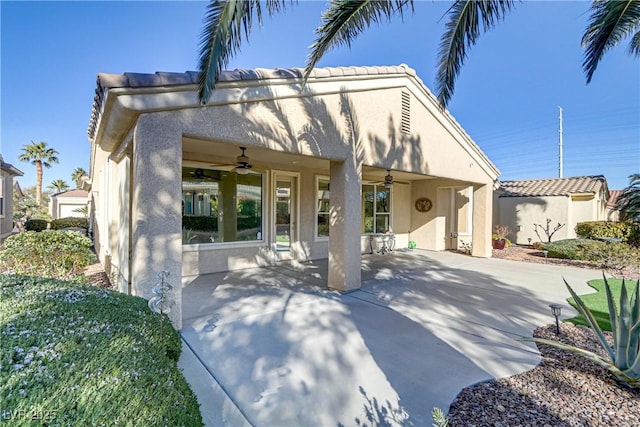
x=400 y=149
x=292 y=353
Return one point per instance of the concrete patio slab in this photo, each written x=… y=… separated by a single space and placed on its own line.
x=289 y=352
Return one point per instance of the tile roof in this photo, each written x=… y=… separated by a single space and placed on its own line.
x=613 y=197
x=553 y=186
x=108 y=81
x=73 y=193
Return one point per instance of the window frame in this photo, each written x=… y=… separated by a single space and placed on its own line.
x=318 y=238
x=264 y=178
x=375 y=209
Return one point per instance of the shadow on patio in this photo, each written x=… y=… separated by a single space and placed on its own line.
x=290 y=352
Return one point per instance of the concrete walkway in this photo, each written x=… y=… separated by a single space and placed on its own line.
x=274 y=347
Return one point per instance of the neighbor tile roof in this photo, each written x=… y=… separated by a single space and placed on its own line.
x=73 y=193
x=613 y=197
x=553 y=186
x=108 y=81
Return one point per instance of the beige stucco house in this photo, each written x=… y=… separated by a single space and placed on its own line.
x=7 y=174
x=521 y=204
x=612 y=212
x=67 y=203
x=323 y=172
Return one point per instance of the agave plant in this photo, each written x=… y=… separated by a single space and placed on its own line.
x=623 y=360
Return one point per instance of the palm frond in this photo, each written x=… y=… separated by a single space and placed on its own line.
x=610 y=22
x=634 y=46
x=629 y=201
x=462 y=32
x=226 y=21
x=344 y=20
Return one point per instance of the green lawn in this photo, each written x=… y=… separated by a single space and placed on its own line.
x=597 y=302
x=78 y=355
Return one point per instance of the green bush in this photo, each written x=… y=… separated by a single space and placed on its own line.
x=85 y=356
x=200 y=223
x=608 y=255
x=627 y=231
x=70 y=221
x=50 y=253
x=565 y=249
x=35 y=224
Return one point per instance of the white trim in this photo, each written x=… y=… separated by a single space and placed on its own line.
x=316 y=212
x=295 y=239
x=242 y=243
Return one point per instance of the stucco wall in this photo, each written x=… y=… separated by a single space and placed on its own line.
x=6 y=220
x=521 y=213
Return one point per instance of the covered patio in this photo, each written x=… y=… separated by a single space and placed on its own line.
x=275 y=347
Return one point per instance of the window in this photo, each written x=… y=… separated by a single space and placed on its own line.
x=323 y=208
x=376 y=208
x=2 y=197
x=220 y=206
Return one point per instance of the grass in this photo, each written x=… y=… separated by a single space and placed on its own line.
x=75 y=354
x=597 y=302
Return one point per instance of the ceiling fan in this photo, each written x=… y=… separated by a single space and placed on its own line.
x=242 y=166
x=200 y=175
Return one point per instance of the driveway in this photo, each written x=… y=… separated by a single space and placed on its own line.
x=274 y=347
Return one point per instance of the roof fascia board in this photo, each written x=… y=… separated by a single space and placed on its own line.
x=122 y=106
x=426 y=98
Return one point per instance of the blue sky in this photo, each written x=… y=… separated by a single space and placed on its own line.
x=506 y=98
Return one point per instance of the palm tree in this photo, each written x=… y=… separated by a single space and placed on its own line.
x=39 y=155
x=629 y=201
x=58 y=185
x=227 y=20
x=78 y=175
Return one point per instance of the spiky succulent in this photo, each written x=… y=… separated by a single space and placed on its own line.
x=623 y=360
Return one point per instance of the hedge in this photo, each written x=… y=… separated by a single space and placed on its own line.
x=35 y=224
x=627 y=231
x=70 y=222
x=78 y=355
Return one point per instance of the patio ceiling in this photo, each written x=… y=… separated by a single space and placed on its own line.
x=208 y=153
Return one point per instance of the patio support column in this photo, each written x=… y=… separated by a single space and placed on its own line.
x=482 y=217
x=344 y=225
x=156 y=212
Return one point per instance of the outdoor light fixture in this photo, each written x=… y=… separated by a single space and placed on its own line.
x=556 y=309
x=546 y=256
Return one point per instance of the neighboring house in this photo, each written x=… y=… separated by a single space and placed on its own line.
x=66 y=203
x=171 y=187
x=521 y=204
x=7 y=173
x=613 y=214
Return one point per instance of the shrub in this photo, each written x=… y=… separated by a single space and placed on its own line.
x=608 y=254
x=200 y=223
x=50 y=253
x=69 y=222
x=618 y=230
x=86 y=356
x=35 y=225
x=565 y=249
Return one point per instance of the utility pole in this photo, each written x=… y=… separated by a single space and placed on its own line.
x=560 y=144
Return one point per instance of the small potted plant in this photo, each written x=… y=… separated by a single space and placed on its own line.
x=500 y=236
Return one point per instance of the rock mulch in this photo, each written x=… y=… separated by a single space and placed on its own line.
x=529 y=254
x=563 y=390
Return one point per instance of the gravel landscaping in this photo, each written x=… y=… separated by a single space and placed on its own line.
x=563 y=390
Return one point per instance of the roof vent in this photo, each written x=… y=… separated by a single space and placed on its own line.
x=405 y=122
